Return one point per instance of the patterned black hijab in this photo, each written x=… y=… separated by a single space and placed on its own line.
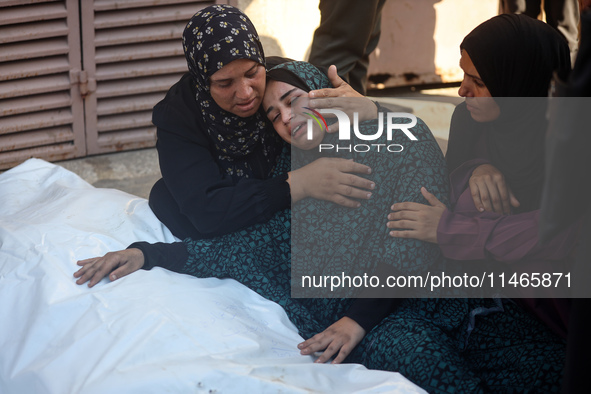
x=214 y=37
x=515 y=56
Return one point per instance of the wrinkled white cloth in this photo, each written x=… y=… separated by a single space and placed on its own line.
x=150 y=332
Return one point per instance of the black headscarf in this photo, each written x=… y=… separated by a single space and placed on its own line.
x=214 y=37
x=515 y=56
x=301 y=75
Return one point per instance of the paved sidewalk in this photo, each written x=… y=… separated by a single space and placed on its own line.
x=136 y=171
x=132 y=171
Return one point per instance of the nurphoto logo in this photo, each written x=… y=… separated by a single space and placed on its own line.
x=392 y=125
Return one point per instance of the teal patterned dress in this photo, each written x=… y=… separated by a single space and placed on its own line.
x=442 y=345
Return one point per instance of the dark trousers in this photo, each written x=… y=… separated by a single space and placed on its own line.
x=349 y=31
x=563 y=15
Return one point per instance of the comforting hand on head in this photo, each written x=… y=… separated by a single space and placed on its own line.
x=330 y=179
x=344 y=98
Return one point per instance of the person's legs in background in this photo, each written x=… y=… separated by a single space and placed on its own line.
x=563 y=15
x=531 y=8
x=349 y=31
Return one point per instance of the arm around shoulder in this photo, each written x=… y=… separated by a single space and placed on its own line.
x=212 y=201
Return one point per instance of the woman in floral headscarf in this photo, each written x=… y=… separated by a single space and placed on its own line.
x=217 y=152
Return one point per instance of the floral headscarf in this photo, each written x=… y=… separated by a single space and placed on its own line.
x=214 y=37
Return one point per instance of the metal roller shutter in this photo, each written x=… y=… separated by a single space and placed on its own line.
x=41 y=113
x=132 y=55
x=80 y=77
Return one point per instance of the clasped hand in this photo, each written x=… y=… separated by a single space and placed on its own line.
x=490 y=191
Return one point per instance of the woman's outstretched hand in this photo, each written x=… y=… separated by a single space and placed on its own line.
x=490 y=191
x=331 y=179
x=113 y=264
x=341 y=337
x=342 y=97
x=415 y=220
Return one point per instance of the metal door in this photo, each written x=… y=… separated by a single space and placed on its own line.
x=132 y=54
x=80 y=77
x=41 y=112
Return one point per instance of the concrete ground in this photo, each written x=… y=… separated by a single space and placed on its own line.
x=136 y=171
x=132 y=171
